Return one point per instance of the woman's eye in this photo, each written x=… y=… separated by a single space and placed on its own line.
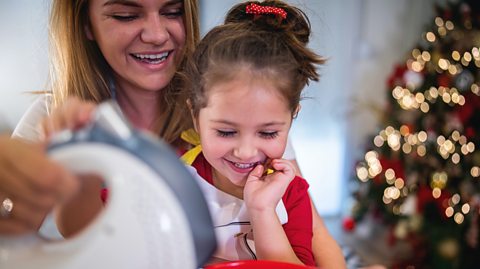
x=124 y=17
x=174 y=13
x=225 y=133
x=269 y=135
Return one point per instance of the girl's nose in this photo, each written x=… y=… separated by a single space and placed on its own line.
x=154 y=30
x=245 y=150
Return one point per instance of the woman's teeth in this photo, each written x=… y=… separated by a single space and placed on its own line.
x=152 y=58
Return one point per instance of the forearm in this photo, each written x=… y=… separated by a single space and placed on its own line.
x=77 y=213
x=326 y=251
x=33 y=182
x=271 y=242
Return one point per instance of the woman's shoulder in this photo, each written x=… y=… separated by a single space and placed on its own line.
x=28 y=126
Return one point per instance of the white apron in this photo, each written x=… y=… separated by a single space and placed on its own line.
x=232 y=225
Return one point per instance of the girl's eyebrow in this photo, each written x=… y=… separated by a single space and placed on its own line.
x=268 y=124
x=274 y=123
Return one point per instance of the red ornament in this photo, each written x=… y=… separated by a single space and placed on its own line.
x=424 y=196
x=444 y=80
x=395 y=164
x=470 y=132
x=104 y=195
x=447 y=14
x=466 y=112
x=348 y=224
x=396 y=78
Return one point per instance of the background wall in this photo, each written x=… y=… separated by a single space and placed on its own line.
x=23 y=54
x=361 y=38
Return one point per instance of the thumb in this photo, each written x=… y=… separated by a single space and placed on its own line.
x=84 y=115
x=256 y=173
x=68 y=186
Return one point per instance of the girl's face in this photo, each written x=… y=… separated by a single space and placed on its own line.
x=245 y=123
x=142 y=40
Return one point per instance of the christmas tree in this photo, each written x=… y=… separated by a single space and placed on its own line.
x=421 y=173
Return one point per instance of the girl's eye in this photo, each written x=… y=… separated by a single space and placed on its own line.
x=124 y=17
x=269 y=135
x=225 y=133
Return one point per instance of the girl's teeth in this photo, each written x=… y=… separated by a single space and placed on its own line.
x=244 y=165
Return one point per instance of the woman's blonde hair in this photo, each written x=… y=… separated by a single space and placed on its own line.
x=78 y=68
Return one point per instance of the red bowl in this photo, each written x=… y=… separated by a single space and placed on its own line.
x=253 y=264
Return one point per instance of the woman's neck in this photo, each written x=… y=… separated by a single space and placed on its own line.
x=140 y=107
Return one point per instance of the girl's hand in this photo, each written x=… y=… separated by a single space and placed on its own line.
x=264 y=192
x=71 y=115
x=33 y=183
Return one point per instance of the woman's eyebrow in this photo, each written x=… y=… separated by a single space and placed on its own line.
x=135 y=4
x=121 y=2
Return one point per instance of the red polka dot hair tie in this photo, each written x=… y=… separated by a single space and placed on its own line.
x=259 y=10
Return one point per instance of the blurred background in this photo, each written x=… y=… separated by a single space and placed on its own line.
x=371 y=137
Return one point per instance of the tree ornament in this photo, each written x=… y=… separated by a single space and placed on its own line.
x=348 y=224
x=471 y=236
x=409 y=207
x=464 y=80
x=401 y=230
x=415 y=222
x=448 y=248
x=413 y=79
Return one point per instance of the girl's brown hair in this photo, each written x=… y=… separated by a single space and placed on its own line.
x=264 y=43
x=78 y=68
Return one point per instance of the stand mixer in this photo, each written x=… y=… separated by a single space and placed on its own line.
x=155 y=216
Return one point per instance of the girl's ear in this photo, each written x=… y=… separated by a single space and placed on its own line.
x=295 y=113
x=194 y=120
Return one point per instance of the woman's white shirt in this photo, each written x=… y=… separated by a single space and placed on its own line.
x=28 y=128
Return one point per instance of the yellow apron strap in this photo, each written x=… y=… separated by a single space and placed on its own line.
x=191 y=136
x=190 y=156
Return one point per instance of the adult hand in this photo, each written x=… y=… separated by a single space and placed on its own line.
x=264 y=192
x=71 y=115
x=33 y=183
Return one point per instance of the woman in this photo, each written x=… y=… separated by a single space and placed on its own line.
x=129 y=50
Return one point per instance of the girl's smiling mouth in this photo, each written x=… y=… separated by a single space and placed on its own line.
x=242 y=167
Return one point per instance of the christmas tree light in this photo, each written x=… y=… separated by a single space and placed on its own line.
x=421 y=175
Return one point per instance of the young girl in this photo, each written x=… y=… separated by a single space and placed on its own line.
x=246 y=77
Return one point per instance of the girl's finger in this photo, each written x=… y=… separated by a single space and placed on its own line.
x=256 y=173
x=284 y=166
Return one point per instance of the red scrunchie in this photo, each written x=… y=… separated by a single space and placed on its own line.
x=258 y=10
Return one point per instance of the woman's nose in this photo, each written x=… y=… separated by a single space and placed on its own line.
x=154 y=30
